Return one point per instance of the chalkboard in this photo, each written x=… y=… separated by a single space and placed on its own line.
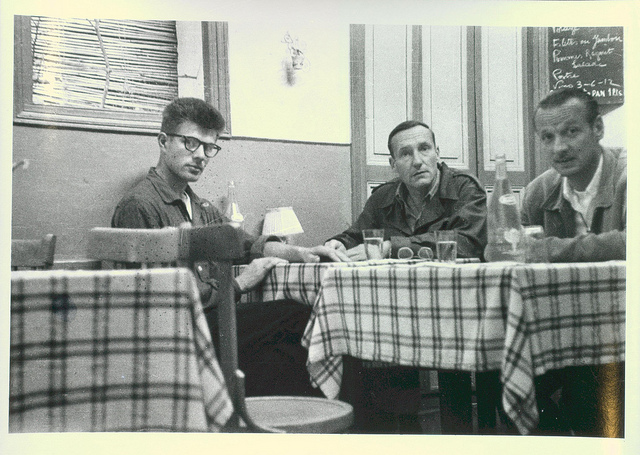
x=588 y=58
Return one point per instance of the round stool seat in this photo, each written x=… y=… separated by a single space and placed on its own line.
x=301 y=414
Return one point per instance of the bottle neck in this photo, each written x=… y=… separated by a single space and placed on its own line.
x=231 y=192
x=233 y=212
x=501 y=167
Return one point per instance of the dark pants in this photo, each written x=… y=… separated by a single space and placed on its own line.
x=492 y=419
x=584 y=401
x=387 y=399
x=269 y=349
x=455 y=402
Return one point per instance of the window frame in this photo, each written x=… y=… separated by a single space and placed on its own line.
x=215 y=62
x=25 y=112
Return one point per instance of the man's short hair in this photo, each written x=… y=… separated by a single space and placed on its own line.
x=193 y=110
x=405 y=126
x=561 y=96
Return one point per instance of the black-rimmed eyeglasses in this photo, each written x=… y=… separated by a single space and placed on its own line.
x=193 y=143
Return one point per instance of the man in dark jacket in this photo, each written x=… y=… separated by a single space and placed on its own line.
x=269 y=334
x=426 y=197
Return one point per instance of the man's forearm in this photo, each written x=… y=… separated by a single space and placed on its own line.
x=608 y=246
x=282 y=250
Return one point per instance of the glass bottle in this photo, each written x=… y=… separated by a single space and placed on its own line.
x=504 y=227
x=233 y=212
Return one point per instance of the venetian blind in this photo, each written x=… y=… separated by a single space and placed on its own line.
x=104 y=64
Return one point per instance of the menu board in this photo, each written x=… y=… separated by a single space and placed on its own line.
x=588 y=58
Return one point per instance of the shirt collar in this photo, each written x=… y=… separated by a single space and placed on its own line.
x=167 y=193
x=401 y=191
x=581 y=200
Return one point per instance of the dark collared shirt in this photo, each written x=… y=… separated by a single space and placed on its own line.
x=153 y=204
x=459 y=204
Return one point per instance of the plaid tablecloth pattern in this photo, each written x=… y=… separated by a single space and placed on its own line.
x=522 y=319
x=562 y=315
x=125 y=350
x=301 y=281
x=425 y=315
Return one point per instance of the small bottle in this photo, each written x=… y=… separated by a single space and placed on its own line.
x=233 y=212
x=504 y=227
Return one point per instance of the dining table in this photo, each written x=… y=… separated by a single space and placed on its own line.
x=522 y=319
x=112 y=350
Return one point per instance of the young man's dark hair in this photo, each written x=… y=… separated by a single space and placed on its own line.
x=193 y=110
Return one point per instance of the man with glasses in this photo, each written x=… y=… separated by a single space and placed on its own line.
x=426 y=197
x=269 y=334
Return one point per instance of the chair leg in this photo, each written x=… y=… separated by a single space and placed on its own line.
x=241 y=408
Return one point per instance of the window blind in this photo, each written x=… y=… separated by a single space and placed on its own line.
x=104 y=64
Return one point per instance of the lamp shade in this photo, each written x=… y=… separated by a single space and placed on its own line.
x=281 y=221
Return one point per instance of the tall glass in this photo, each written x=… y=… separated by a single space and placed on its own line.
x=531 y=235
x=446 y=246
x=373 y=239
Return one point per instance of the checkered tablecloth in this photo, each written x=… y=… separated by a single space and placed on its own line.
x=427 y=314
x=522 y=319
x=301 y=281
x=562 y=315
x=124 y=350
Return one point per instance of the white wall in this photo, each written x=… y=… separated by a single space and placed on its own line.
x=615 y=128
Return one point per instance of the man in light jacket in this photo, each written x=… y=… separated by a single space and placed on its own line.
x=582 y=205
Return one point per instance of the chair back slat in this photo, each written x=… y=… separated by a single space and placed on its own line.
x=135 y=248
x=33 y=253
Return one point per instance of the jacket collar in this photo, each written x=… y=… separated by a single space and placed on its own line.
x=604 y=196
x=168 y=195
x=445 y=190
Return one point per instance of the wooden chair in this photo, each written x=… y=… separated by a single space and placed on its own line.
x=221 y=244
x=33 y=254
x=275 y=414
x=135 y=248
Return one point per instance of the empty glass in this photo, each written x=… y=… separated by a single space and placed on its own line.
x=531 y=235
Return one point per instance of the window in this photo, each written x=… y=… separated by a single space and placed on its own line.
x=111 y=74
x=104 y=64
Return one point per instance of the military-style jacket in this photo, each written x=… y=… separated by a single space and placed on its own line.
x=459 y=204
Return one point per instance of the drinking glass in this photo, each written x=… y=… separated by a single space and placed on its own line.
x=373 y=239
x=446 y=246
x=531 y=234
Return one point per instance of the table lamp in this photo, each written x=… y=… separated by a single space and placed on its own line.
x=282 y=222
